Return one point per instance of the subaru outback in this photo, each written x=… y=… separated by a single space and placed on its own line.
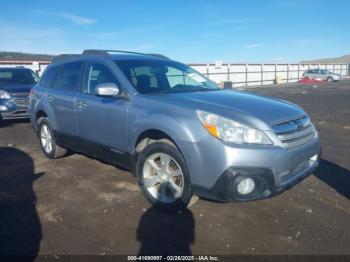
x=172 y=127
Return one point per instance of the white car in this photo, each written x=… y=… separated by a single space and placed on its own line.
x=322 y=74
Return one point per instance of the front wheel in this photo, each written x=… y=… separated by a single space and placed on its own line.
x=330 y=79
x=47 y=140
x=163 y=177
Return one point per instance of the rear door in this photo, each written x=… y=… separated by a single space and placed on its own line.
x=323 y=74
x=311 y=73
x=318 y=74
x=101 y=121
x=61 y=98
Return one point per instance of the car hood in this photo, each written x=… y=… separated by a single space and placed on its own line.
x=268 y=110
x=16 y=88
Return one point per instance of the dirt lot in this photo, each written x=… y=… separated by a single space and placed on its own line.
x=78 y=205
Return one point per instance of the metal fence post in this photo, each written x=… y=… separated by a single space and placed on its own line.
x=276 y=73
x=228 y=72
x=298 y=71
x=262 y=74
x=207 y=70
x=287 y=73
x=246 y=75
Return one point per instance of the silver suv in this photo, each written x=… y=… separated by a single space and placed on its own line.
x=175 y=129
x=322 y=74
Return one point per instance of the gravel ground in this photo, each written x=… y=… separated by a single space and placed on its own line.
x=78 y=205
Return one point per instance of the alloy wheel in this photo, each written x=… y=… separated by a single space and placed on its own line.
x=163 y=177
x=46 y=138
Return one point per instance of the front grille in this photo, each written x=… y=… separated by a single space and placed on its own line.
x=20 y=99
x=295 y=132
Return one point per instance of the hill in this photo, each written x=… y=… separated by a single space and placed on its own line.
x=18 y=56
x=342 y=59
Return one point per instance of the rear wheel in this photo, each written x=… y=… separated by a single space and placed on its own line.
x=330 y=79
x=47 y=140
x=163 y=177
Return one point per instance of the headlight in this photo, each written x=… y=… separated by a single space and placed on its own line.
x=231 y=131
x=4 y=95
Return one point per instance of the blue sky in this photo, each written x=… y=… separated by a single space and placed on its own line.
x=197 y=31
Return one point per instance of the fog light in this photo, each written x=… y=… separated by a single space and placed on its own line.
x=3 y=108
x=246 y=186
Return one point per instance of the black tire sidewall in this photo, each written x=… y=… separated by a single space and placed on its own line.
x=159 y=147
x=44 y=121
x=330 y=79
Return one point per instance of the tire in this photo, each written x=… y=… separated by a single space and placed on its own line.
x=330 y=79
x=170 y=177
x=54 y=151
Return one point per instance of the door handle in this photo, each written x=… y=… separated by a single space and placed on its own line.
x=50 y=98
x=81 y=104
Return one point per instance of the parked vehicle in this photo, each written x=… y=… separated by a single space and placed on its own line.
x=322 y=74
x=15 y=85
x=177 y=131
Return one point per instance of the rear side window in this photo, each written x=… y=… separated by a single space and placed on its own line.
x=68 y=77
x=48 y=77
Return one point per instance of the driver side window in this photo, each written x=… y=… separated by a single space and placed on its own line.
x=97 y=74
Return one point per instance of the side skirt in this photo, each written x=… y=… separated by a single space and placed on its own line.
x=95 y=150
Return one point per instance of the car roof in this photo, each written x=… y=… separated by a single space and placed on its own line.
x=104 y=54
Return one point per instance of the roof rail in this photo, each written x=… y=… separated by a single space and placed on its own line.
x=62 y=57
x=107 y=52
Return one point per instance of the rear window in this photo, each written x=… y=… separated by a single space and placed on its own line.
x=68 y=77
x=17 y=76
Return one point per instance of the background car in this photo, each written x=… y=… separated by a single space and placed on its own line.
x=15 y=85
x=322 y=74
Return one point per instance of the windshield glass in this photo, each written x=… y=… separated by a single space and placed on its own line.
x=151 y=77
x=17 y=76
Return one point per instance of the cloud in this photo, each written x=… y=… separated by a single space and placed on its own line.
x=76 y=19
x=79 y=20
x=250 y=46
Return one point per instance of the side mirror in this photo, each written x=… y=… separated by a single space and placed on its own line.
x=107 y=89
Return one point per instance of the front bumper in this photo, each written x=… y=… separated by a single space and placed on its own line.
x=215 y=174
x=225 y=189
x=14 y=109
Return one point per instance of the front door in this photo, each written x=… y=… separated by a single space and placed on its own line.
x=101 y=121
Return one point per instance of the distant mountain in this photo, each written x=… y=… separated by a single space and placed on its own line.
x=342 y=59
x=17 y=56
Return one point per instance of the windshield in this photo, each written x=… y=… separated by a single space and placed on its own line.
x=17 y=76
x=152 y=77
